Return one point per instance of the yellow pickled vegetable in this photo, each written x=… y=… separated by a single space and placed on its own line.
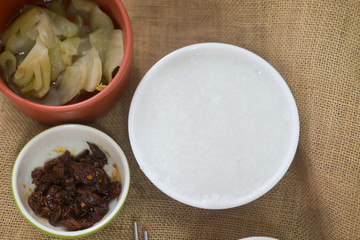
x=68 y=49
x=110 y=45
x=98 y=19
x=94 y=69
x=8 y=63
x=84 y=74
x=22 y=25
x=27 y=28
x=19 y=43
x=46 y=31
x=114 y=54
x=35 y=71
x=57 y=64
x=57 y=7
x=42 y=47
x=65 y=28
x=72 y=82
x=100 y=40
x=84 y=5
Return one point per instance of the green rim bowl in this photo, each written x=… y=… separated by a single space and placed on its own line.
x=51 y=143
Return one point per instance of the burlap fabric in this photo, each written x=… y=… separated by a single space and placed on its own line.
x=315 y=45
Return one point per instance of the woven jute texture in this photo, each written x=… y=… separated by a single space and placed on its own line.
x=315 y=46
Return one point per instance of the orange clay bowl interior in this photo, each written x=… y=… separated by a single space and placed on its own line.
x=93 y=107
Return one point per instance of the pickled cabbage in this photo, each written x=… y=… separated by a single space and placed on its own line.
x=27 y=28
x=57 y=64
x=43 y=49
x=72 y=82
x=22 y=25
x=100 y=40
x=99 y=19
x=45 y=30
x=114 y=54
x=84 y=74
x=19 y=43
x=68 y=49
x=110 y=45
x=33 y=74
x=94 y=69
x=57 y=7
x=65 y=28
x=84 y=5
x=8 y=63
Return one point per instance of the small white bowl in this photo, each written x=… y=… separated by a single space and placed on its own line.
x=258 y=238
x=213 y=125
x=51 y=143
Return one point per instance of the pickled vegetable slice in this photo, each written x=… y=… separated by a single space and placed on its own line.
x=99 y=19
x=57 y=64
x=19 y=43
x=72 y=82
x=8 y=63
x=35 y=70
x=64 y=27
x=110 y=45
x=68 y=49
x=84 y=5
x=94 y=69
x=114 y=54
x=57 y=7
x=22 y=25
x=100 y=40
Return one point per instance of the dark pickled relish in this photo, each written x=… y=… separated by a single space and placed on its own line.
x=74 y=191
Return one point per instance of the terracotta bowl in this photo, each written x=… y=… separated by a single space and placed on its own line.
x=93 y=107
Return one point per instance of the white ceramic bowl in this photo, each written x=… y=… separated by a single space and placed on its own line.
x=51 y=143
x=213 y=125
x=258 y=238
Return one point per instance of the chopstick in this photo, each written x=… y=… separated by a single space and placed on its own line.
x=136 y=234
